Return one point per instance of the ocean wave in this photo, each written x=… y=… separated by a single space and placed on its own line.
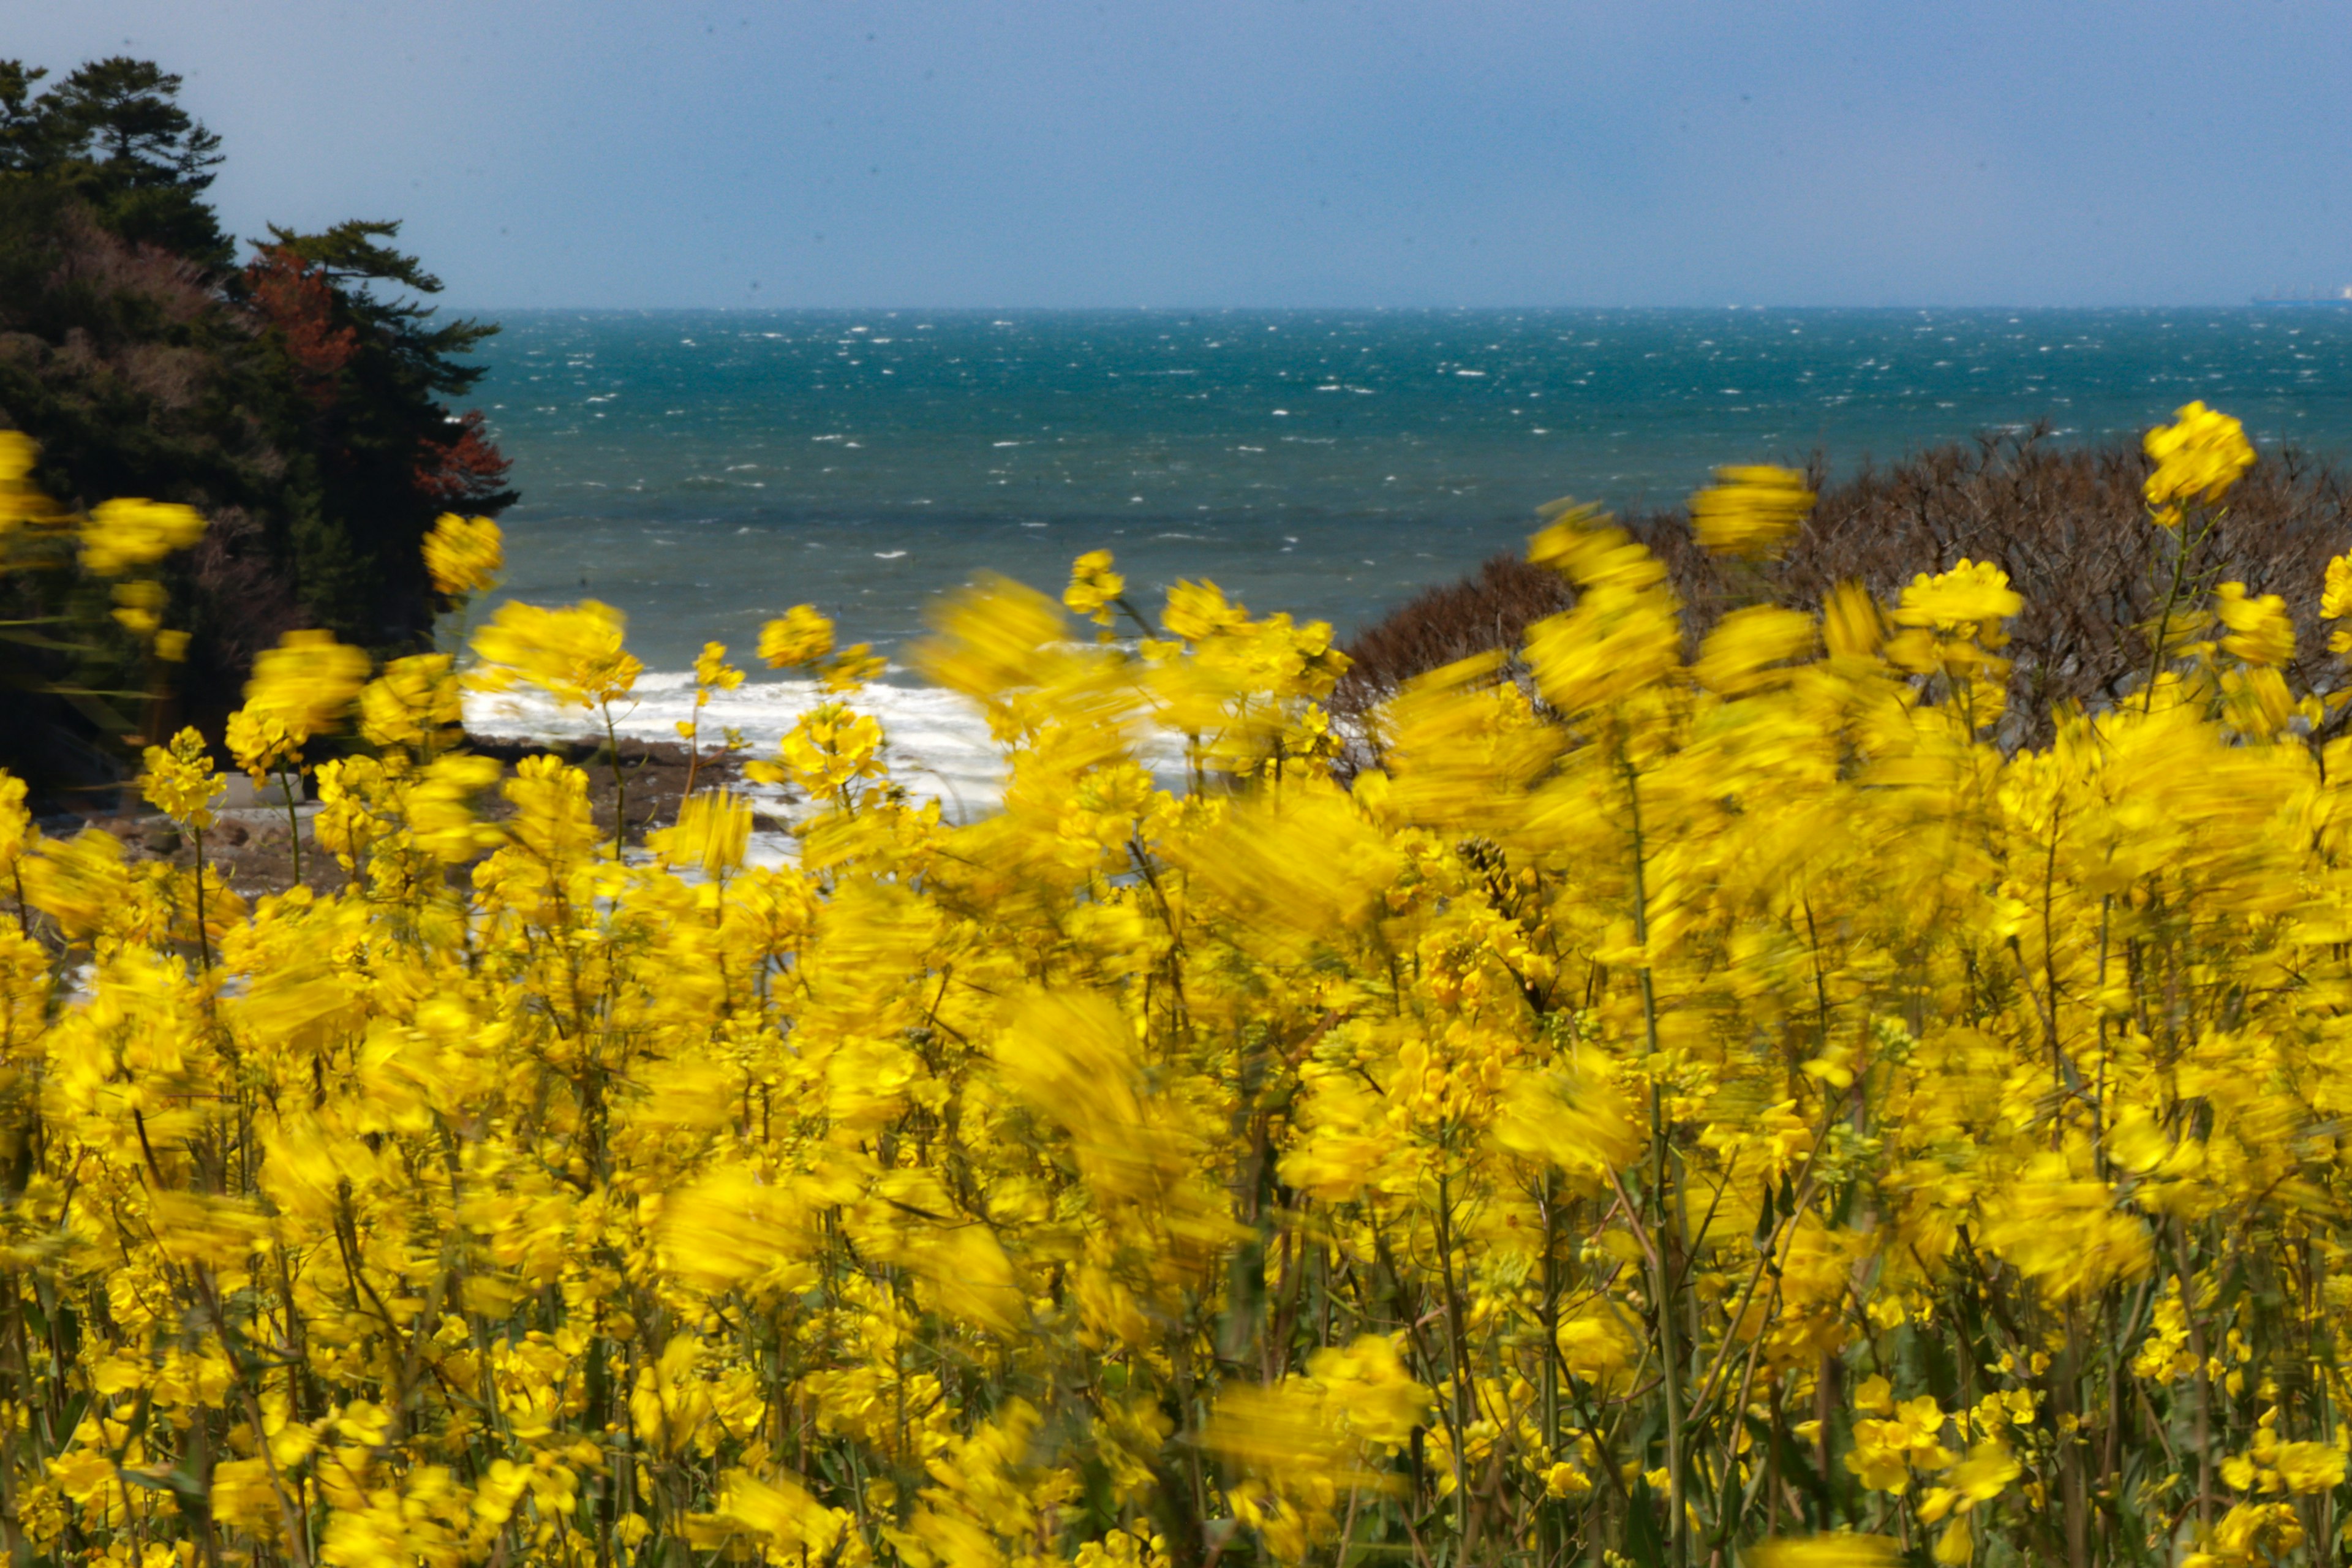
x=937 y=741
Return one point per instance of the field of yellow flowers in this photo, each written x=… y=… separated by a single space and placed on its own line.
x=1679 y=1106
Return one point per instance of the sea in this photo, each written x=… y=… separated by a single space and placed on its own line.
x=704 y=471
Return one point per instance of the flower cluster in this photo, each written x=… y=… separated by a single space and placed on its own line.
x=464 y=555
x=1670 y=1106
x=1750 y=510
x=1095 y=588
x=39 y=538
x=2195 y=458
x=121 y=535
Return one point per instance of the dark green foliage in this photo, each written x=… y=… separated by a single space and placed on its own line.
x=369 y=371
x=115 y=135
x=298 y=401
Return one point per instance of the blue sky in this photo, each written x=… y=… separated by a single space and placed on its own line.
x=1272 y=152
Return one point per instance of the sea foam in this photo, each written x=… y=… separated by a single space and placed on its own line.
x=937 y=743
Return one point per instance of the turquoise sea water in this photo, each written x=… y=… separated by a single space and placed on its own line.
x=704 y=471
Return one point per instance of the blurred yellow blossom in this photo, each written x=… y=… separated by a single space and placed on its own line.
x=711 y=833
x=1612 y=1100
x=573 y=654
x=415 y=704
x=798 y=637
x=1094 y=587
x=464 y=555
x=1751 y=511
x=307 y=683
x=2196 y=459
x=122 y=535
x=138 y=607
x=2261 y=631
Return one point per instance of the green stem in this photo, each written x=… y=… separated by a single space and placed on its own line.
x=203 y=938
x=2172 y=598
x=293 y=821
x=620 y=785
x=1662 y=1256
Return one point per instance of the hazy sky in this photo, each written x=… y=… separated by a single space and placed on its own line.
x=1048 y=152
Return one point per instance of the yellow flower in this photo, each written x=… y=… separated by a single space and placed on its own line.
x=2309 y=1466
x=1885 y=1450
x=713 y=673
x=852 y=667
x=798 y=637
x=1973 y=597
x=260 y=742
x=464 y=555
x=712 y=832
x=414 y=703
x=121 y=534
x=1565 y=1481
x=1370 y=1386
x=21 y=500
x=2260 y=630
x=1839 y=1551
x=1751 y=511
x=1739 y=654
x=827 y=751
x=1595 y=1343
x=307 y=682
x=440 y=813
x=573 y=654
x=2064 y=1231
x=2335 y=599
x=1199 y=611
x=1094 y=586
x=1978 y=1479
x=138 y=606
x=2197 y=458
x=180 y=782
x=18 y=832
x=80 y=882
x=992 y=637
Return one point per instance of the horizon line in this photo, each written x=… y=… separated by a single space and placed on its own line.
x=2250 y=303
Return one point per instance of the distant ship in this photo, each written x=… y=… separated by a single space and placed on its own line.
x=2315 y=297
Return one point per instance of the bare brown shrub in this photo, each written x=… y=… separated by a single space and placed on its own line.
x=2065 y=524
x=1439 y=626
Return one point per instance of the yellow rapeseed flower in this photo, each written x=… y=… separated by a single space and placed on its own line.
x=573 y=654
x=306 y=683
x=712 y=832
x=1094 y=587
x=713 y=673
x=180 y=782
x=21 y=500
x=1840 y=1550
x=1751 y=511
x=2260 y=629
x=1973 y=599
x=2197 y=458
x=1200 y=611
x=138 y=607
x=464 y=555
x=121 y=535
x=2335 y=597
x=1232 y=1159
x=260 y=742
x=801 y=635
x=414 y=703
